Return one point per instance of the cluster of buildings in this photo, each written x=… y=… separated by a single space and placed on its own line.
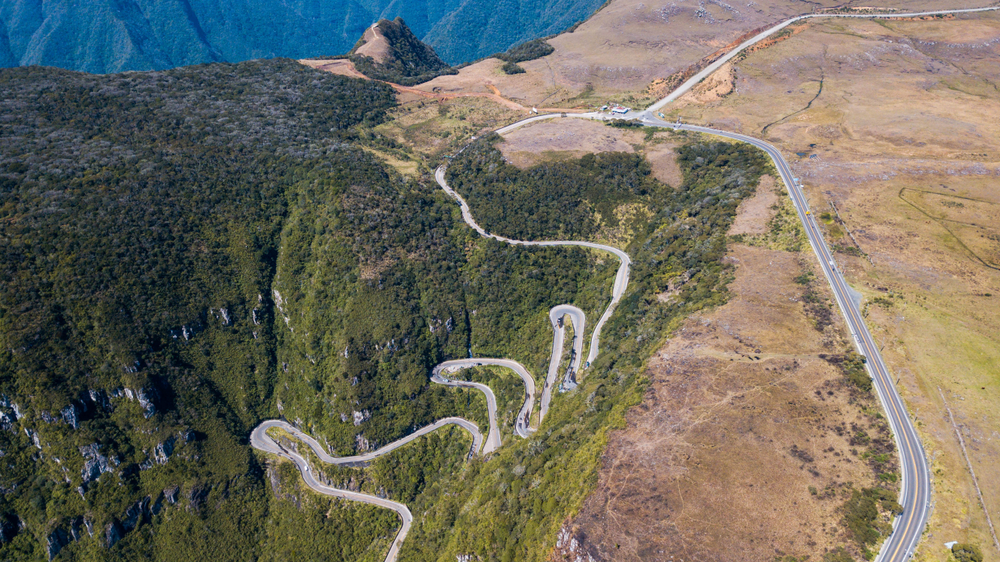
x=616 y=109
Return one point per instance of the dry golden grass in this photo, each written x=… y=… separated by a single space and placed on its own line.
x=706 y=469
x=629 y=44
x=572 y=138
x=564 y=139
x=908 y=119
x=374 y=45
x=434 y=128
x=904 y=138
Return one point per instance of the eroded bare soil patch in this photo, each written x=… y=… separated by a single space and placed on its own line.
x=755 y=212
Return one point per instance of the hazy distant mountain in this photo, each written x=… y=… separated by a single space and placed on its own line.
x=118 y=35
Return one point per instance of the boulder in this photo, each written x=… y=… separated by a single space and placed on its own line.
x=162 y=452
x=55 y=542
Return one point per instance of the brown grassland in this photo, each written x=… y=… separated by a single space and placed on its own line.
x=897 y=124
x=743 y=448
x=631 y=50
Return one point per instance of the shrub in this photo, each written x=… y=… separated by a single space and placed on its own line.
x=966 y=552
x=530 y=50
x=837 y=555
x=510 y=67
x=623 y=124
x=854 y=369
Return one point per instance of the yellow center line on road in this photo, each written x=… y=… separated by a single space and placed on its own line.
x=892 y=401
x=863 y=342
x=906 y=435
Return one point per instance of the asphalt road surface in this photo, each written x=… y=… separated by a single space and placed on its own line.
x=916 y=487
x=522 y=420
x=915 y=497
x=625 y=262
x=916 y=484
x=260 y=440
x=557 y=316
x=708 y=70
x=259 y=437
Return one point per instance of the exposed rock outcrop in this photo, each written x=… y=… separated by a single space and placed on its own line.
x=144 y=396
x=112 y=534
x=71 y=415
x=55 y=542
x=170 y=494
x=360 y=417
x=146 y=401
x=134 y=516
x=95 y=464
x=9 y=413
x=162 y=452
x=100 y=400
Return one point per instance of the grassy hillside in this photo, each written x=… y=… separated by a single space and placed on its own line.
x=141 y=225
x=189 y=252
x=512 y=507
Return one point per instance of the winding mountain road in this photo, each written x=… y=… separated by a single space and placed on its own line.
x=522 y=420
x=556 y=316
x=915 y=496
x=260 y=440
x=625 y=262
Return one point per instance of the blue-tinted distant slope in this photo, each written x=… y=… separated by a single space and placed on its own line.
x=117 y=35
x=503 y=24
x=6 y=56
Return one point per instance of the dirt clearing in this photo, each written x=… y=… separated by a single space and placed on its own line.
x=561 y=139
x=755 y=212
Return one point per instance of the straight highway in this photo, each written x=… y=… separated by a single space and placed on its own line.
x=717 y=64
x=916 y=484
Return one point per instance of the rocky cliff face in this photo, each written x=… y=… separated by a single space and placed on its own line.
x=111 y=36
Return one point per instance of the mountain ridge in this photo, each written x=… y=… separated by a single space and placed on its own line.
x=109 y=36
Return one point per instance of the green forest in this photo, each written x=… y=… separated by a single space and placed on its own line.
x=186 y=253
x=565 y=200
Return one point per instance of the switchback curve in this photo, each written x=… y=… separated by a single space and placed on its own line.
x=260 y=440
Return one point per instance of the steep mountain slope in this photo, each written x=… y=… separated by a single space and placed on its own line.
x=112 y=36
x=140 y=224
x=503 y=24
x=185 y=253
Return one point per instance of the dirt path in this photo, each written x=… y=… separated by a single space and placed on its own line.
x=345 y=67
